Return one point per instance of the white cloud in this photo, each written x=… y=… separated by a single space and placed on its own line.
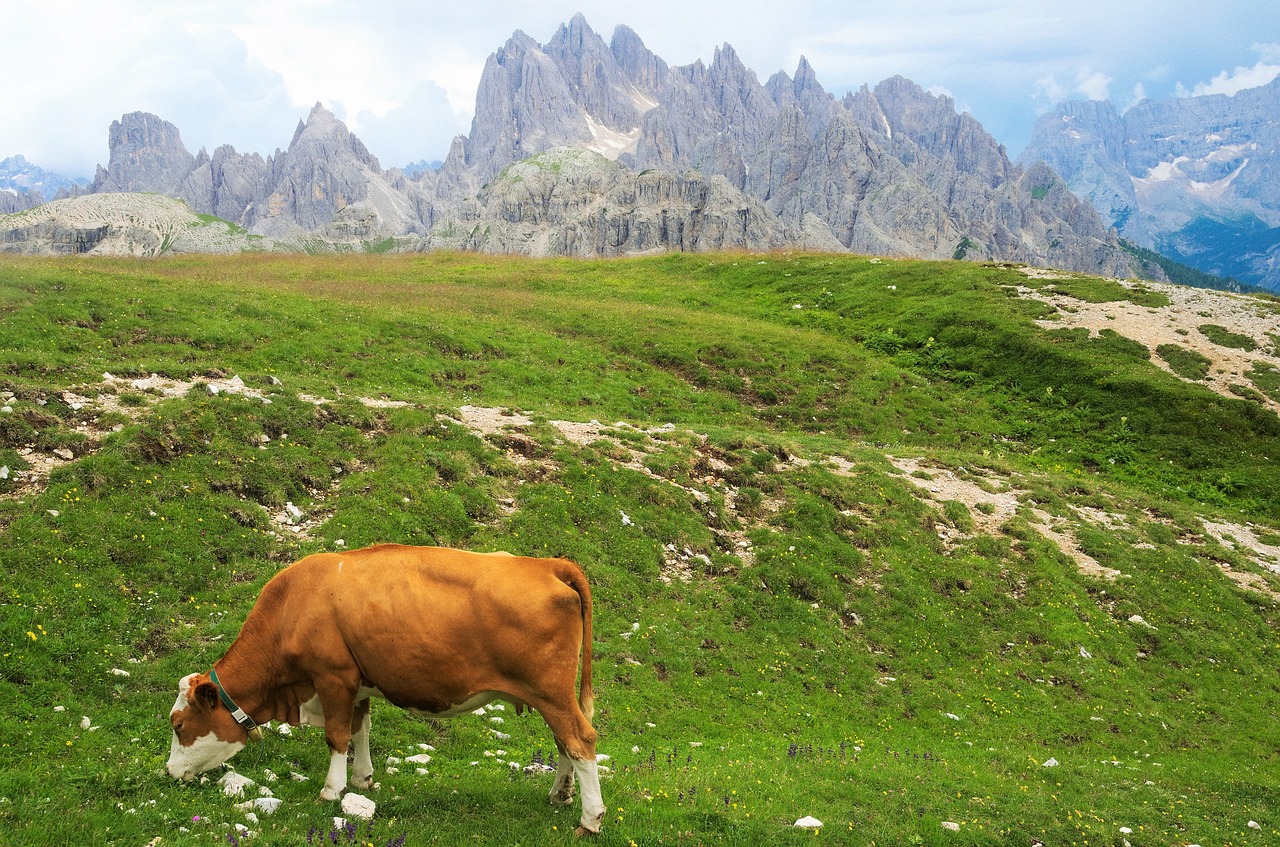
x=1233 y=82
x=421 y=127
x=1093 y=84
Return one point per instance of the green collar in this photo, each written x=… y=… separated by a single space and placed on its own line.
x=255 y=731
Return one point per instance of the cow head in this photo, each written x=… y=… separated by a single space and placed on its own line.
x=204 y=733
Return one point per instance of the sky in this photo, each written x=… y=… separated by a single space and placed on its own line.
x=403 y=74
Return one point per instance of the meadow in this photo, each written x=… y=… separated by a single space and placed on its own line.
x=742 y=452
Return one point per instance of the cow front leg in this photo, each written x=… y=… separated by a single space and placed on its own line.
x=562 y=789
x=336 y=780
x=339 y=717
x=592 y=800
x=362 y=766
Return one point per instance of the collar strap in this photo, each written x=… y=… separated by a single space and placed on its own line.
x=241 y=717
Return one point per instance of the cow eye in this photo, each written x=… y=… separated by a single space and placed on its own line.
x=177 y=727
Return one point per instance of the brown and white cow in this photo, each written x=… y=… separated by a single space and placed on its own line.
x=436 y=631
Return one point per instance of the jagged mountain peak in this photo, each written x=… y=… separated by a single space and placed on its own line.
x=892 y=169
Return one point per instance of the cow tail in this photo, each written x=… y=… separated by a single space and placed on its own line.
x=572 y=576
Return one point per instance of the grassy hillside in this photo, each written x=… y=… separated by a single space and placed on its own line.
x=866 y=542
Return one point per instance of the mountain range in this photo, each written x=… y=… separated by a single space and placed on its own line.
x=591 y=148
x=1194 y=178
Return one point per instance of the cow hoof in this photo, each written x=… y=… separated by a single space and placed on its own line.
x=328 y=795
x=582 y=830
x=560 y=798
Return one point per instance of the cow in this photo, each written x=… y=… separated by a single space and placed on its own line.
x=436 y=631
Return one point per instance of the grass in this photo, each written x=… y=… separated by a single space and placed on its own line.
x=786 y=626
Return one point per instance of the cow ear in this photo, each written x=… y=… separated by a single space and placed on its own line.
x=207 y=693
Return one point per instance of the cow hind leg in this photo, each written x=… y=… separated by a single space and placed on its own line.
x=362 y=764
x=576 y=741
x=562 y=788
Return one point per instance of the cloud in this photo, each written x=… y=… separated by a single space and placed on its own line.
x=1093 y=84
x=1233 y=82
x=419 y=128
x=1049 y=92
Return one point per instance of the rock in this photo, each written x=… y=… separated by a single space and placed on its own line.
x=951 y=826
x=808 y=822
x=266 y=805
x=234 y=785
x=1051 y=763
x=358 y=806
x=146 y=155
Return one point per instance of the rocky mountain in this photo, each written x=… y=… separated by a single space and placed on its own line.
x=119 y=224
x=24 y=185
x=1196 y=178
x=583 y=147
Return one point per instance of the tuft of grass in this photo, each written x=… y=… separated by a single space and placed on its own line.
x=1187 y=364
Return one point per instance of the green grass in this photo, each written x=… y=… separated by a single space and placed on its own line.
x=1187 y=364
x=1224 y=337
x=878 y=660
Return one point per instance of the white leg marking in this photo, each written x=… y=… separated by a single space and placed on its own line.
x=562 y=788
x=362 y=775
x=592 y=801
x=337 y=778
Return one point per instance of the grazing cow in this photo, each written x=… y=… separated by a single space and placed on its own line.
x=438 y=632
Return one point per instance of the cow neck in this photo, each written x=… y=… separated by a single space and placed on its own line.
x=241 y=716
x=244 y=700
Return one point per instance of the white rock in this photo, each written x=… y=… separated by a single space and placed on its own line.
x=358 y=806
x=233 y=784
x=85 y=722
x=635 y=749
x=285 y=730
x=951 y=826
x=953 y=717
x=297 y=777
x=59 y=708
x=119 y=672
x=1254 y=825
x=426 y=748
x=809 y=822
x=266 y=805
x=1052 y=763
x=1085 y=654
x=418 y=759
x=1124 y=830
